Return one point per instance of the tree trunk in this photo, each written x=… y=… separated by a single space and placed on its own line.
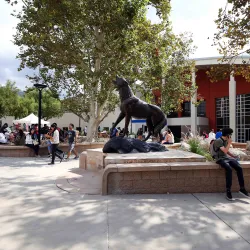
x=92 y=129
x=95 y=109
x=95 y=118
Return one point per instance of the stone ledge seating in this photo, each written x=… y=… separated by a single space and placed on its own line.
x=23 y=151
x=170 y=177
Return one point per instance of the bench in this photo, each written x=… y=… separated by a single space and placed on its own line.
x=171 y=177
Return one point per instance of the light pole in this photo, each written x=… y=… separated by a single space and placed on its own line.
x=40 y=87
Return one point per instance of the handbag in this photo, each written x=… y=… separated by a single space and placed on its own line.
x=35 y=142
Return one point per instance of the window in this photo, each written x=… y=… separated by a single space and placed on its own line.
x=186 y=109
x=242 y=132
x=222 y=112
x=201 y=109
x=243 y=118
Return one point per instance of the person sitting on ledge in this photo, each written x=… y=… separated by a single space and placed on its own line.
x=139 y=134
x=218 y=134
x=228 y=161
x=113 y=133
x=3 y=139
x=4 y=128
x=169 y=138
x=20 y=138
x=32 y=141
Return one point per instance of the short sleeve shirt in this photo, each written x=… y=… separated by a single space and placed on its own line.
x=71 y=136
x=55 y=137
x=217 y=145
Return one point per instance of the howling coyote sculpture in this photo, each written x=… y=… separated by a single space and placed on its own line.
x=131 y=106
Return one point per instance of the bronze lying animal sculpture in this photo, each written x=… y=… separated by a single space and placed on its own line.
x=131 y=106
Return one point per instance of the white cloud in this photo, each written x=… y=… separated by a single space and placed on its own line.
x=8 y=51
x=197 y=17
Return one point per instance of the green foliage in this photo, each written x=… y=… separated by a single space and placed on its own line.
x=8 y=99
x=197 y=148
x=233 y=38
x=80 y=46
x=12 y=104
x=51 y=105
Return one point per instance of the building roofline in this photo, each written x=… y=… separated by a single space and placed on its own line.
x=216 y=57
x=206 y=61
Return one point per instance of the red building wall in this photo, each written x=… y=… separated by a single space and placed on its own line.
x=210 y=91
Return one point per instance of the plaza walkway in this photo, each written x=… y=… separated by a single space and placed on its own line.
x=36 y=215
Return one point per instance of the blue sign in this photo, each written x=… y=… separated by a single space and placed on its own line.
x=138 y=121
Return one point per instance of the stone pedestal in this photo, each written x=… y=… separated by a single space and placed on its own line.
x=92 y=159
x=83 y=160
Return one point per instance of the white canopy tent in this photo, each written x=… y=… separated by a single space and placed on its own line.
x=30 y=119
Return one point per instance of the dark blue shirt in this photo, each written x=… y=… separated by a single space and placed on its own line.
x=113 y=133
x=71 y=136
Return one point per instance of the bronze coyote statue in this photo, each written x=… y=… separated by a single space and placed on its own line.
x=131 y=106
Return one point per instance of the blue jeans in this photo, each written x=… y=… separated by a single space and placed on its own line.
x=49 y=146
x=228 y=164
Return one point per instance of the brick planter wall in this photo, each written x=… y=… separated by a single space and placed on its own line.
x=172 y=181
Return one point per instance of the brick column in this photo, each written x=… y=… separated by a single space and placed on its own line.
x=232 y=105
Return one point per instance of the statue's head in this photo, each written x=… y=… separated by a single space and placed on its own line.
x=120 y=82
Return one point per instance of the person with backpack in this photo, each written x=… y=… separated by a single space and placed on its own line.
x=220 y=152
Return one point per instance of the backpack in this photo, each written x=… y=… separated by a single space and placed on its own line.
x=212 y=150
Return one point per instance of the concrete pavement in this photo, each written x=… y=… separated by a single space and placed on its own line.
x=36 y=215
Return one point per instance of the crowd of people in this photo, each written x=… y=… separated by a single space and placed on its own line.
x=52 y=136
x=211 y=136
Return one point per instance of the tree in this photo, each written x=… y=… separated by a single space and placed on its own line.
x=80 y=46
x=51 y=105
x=13 y=104
x=8 y=99
x=233 y=38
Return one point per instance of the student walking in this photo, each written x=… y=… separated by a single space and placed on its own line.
x=54 y=138
x=71 y=137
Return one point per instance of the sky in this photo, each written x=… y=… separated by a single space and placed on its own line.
x=195 y=16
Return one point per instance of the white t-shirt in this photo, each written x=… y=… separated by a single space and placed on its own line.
x=28 y=139
x=3 y=138
x=211 y=136
x=172 y=138
x=55 y=137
